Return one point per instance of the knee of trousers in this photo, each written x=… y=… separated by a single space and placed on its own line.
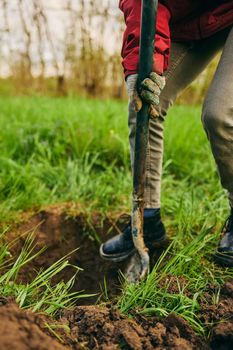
x=215 y=119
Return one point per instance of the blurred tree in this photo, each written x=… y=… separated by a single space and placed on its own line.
x=69 y=47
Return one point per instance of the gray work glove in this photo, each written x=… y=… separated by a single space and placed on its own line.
x=151 y=89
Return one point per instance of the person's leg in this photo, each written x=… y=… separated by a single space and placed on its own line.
x=187 y=61
x=217 y=117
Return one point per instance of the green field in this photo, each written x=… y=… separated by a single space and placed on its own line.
x=76 y=150
x=56 y=150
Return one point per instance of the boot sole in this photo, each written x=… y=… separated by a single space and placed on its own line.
x=115 y=257
x=122 y=256
x=223 y=260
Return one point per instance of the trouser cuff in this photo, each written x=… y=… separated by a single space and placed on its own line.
x=151 y=212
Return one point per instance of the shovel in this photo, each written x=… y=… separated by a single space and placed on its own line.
x=139 y=265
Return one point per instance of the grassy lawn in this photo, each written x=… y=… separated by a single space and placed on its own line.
x=55 y=149
x=68 y=149
x=61 y=150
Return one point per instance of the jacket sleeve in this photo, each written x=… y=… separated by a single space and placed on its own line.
x=131 y=38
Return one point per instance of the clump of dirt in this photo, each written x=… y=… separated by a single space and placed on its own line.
x=93 y=327
x=220 y=315
x=222 y=309
x=103 y=328
x=23 y=330
x=222 y=336
x=106 y=329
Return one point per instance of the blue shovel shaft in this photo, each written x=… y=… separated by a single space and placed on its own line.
x=148 y=21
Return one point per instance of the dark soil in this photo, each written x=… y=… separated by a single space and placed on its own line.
x=61 y=235
x=95 y=327
x=211 y=313
x=102 y=328
x=221 y=317
x=106 y=329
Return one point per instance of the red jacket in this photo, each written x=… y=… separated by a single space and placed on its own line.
x=180 y=20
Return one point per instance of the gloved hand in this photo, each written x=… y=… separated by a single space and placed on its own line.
x=151 y=89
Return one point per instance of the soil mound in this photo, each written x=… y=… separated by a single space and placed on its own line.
x=23 y=330
x=103 y=328
x=106 y=329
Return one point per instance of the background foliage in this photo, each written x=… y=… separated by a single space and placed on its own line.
x=68 y=47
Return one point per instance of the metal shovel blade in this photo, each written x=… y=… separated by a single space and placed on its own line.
x=134 y=269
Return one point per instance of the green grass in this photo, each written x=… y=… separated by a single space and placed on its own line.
x=187 y=268
x=69 y=149
x=62 y=150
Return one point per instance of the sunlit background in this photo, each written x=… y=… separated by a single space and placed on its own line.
x=67 y=46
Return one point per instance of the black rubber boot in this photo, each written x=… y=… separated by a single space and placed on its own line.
x=224 y=252
x=121 y=246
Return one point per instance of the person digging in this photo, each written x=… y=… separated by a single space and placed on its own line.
x=189 y=34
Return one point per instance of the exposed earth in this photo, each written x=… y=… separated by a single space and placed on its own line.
x=98 y=326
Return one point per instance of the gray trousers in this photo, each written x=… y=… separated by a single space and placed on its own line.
x=187 y=61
